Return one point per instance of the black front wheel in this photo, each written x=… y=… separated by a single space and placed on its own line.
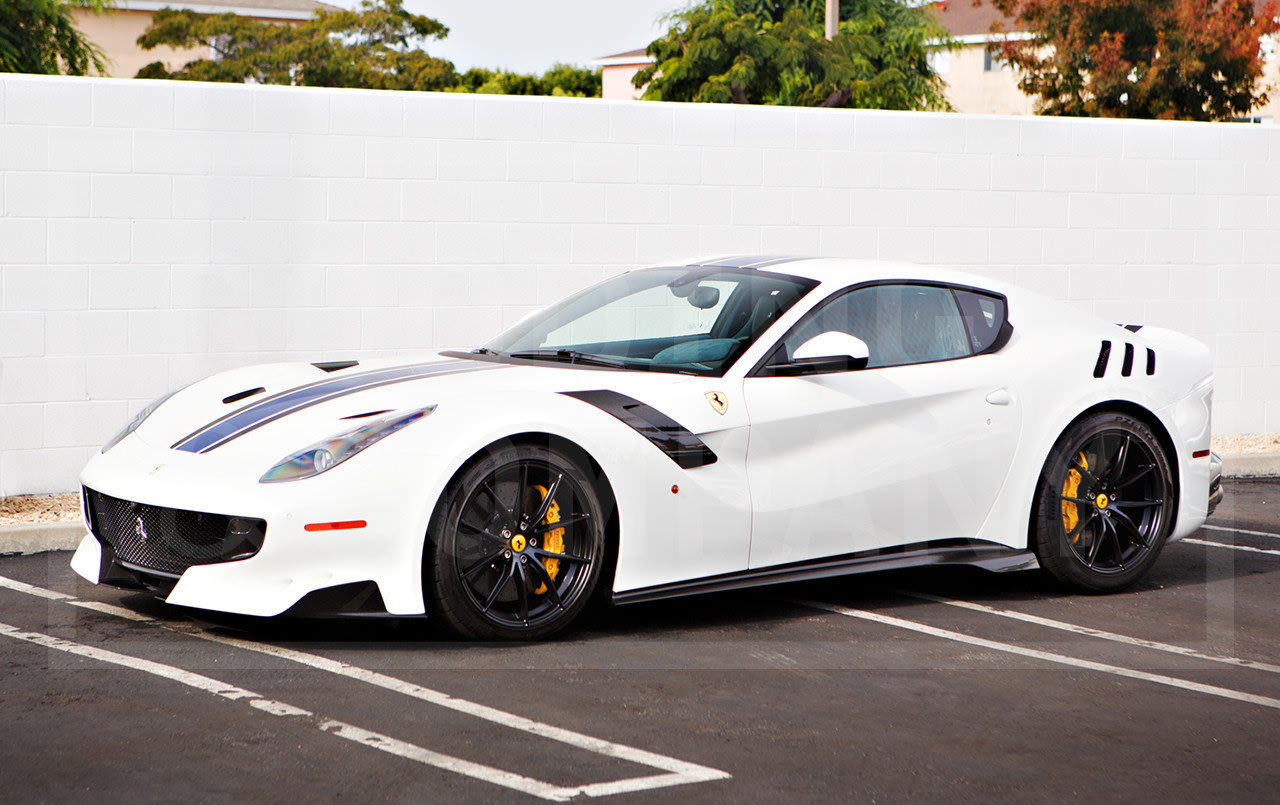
x=515 y=548
x=1105 y=504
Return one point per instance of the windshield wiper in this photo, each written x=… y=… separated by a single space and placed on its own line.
x=568 y=356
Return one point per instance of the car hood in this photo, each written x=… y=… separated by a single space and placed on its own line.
x=282 y=407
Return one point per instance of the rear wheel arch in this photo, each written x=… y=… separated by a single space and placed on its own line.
x=1146 y=417
x=1137 y=426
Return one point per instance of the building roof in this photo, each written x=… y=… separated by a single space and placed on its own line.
x=641 y=52
x=639 y=56
x=975 y=18
x=966 y=18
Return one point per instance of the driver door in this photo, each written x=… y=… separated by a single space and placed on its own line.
x=913 y=448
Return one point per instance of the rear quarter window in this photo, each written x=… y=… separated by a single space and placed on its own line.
x=983 y=315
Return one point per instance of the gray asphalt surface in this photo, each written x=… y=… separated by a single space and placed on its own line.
x=902 y=698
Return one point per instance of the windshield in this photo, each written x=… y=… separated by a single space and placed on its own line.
x=694 y=320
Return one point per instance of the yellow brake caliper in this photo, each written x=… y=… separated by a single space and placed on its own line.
x=551 y=541
x=1070 y=514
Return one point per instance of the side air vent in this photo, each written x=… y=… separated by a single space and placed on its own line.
x=243 y=395
x=335 y=366
x=1133 y=328
x=1104 y=355
x=1126 y=369
x=1151 y=361
x=681 y=446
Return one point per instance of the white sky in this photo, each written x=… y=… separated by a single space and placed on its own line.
x=528 y=36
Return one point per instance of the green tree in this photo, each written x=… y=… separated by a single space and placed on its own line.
x=560 y=80
x=374 y=47
x=40 y=36
x=1174 y=59
x=774 y=52
x=566 y=79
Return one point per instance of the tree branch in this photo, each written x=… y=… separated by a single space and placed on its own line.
x=838 y=98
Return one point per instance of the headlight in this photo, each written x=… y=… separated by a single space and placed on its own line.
x=137 y=420
x=327 y=454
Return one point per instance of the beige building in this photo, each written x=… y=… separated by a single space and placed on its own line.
x=116 y=31
x=616 y=72
x=977 y=82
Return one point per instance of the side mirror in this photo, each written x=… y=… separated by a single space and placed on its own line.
x=824 y=353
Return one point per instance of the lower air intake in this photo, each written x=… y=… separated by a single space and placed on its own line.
x=167 y=540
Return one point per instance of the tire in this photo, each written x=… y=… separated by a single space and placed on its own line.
x=1105 y=504
x=515 y=547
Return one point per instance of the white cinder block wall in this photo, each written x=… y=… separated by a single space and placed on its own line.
x=154 y=232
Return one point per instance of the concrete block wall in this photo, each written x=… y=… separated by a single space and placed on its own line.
x=154 y=232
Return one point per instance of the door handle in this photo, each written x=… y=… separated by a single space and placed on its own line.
x=1000 y=397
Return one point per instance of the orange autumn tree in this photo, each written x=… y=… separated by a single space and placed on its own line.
x=1169 y=59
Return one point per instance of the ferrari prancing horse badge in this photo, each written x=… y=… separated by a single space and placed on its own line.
x=718 y=401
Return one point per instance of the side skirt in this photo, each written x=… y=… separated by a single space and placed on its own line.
x=987 y=555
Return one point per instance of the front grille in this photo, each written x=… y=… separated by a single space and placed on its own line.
x=170 y=540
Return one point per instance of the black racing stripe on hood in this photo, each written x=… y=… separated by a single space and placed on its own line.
x=255 y=415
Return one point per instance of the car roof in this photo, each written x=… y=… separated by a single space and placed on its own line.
x=843 y=272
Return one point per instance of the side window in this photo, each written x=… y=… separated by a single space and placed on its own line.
x=983 y=317
x=901 y=324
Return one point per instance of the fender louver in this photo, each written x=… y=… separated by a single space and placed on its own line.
x=1126 y=368
x=1104 y=355
x=1151 y=361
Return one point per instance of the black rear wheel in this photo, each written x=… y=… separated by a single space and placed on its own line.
x=515 y=549
x=1105 y=504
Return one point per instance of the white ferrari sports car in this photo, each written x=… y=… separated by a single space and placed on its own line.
x=669 y=431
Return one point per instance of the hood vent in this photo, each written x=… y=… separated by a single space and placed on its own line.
x=335 y=366
x=242 y=395
x=366 y=416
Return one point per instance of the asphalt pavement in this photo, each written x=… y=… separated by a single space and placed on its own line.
x=944 y=684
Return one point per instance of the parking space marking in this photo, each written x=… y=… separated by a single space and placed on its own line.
x=1090 y=632
x=678 y=772
x=277 y=708
x=1241 y=531
x=1046 y=656
x=1245 y=548
x=31 y=589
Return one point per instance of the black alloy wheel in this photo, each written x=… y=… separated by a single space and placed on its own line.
x=1105 y=505
x=515 y=550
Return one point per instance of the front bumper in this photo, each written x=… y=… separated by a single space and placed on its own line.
x=393 y=495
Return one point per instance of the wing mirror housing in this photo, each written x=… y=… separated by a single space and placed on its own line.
x=825 y=353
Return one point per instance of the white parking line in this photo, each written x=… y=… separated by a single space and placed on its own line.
x=1241 y=531
x=1245 y=548
x=1047 y=656
x=679 y=772
x=31 y=589
x=277 y=708
x=1099 y=633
